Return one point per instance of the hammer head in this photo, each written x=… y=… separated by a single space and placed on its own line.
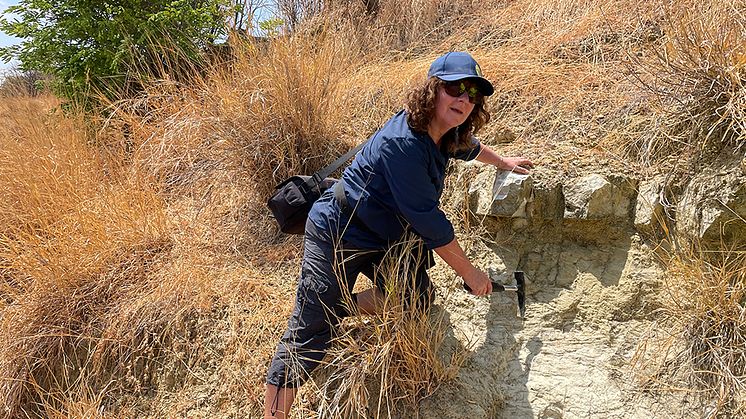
x=521 y=292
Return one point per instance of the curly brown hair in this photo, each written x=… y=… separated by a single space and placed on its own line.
x=420 y=106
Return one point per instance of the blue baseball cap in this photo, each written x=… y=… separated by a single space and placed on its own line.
x=460 y=65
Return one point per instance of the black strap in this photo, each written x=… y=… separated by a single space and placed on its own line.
x=341 y=197
x=328 y=170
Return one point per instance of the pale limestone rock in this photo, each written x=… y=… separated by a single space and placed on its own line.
x=548 y=203
x=501 y=193
x=649 y=209
x=595 y=197
x=587 y=197
x=713 y=206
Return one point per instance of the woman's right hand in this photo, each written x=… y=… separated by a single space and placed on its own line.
x=454 y=256
x=478 y=281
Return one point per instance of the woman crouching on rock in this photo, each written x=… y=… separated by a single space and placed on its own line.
x=394 y=184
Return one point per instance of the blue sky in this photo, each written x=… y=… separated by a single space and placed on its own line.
x=5 y=39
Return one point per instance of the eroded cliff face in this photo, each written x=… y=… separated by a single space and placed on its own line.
x=592 y=281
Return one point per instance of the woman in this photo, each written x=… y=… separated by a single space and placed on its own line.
x=394 y=184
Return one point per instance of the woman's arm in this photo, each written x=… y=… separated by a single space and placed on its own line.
x=455 y=257
x=519 y=165
x=452 y=253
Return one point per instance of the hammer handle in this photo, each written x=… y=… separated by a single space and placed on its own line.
x=495 y=287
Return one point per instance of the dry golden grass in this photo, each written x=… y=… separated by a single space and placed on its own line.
x=699 y=343
x=105 y=292
x=277 y=111
x=72 y=231
x=697 y=73
x=391 y=361
x=16 y=83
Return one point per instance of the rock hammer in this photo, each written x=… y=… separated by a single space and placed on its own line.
x=519 y=288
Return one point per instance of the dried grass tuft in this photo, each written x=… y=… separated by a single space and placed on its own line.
x=697 y=72
x=704 y=310
x=381 y=364
x=75 y=230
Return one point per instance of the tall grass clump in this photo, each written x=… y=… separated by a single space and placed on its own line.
x=298 y=105
x=74 y=230
x=697 y=72
x=704 y=310
x=277 y=110
x=226 y=138
x=394 y=359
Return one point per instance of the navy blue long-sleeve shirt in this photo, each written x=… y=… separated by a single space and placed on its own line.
x=395 y=180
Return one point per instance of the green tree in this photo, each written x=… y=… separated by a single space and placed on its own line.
x=109 y=45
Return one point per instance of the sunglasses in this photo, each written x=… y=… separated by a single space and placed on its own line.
x=457 y=88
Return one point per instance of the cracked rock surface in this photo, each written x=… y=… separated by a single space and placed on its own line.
x=591 y=293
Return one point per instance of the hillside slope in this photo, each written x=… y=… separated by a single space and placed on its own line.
x=141 y=274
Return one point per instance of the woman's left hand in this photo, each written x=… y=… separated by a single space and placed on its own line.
x=520 y=165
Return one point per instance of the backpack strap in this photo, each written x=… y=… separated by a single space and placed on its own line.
x=336 y=164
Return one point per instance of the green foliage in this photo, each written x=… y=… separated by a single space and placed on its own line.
x=271 y=27
x=109 y=46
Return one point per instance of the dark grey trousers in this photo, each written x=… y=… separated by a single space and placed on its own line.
x=327 y=274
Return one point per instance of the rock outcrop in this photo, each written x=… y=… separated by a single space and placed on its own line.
x=596 y=197
x=501 y=193
x=591 y=288
x=649 y=211
x=713 y=206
